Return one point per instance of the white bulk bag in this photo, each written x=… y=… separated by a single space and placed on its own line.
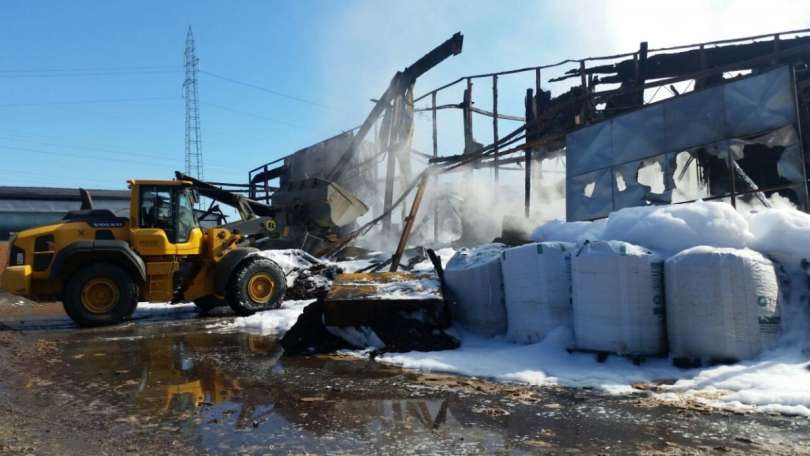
x=617 y=299
x=473 y=279
x=722 y=303
x=537 y=289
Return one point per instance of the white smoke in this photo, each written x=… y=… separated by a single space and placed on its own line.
x=473 y=210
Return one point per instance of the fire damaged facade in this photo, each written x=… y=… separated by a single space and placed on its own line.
x=734 y=141
x=723 y=120
x=734 y=130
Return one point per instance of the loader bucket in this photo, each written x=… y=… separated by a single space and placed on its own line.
x=326 y=203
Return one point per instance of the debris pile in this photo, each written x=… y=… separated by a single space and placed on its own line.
x=387 y=311
x=308 y=277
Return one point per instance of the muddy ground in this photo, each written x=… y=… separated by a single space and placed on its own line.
x=172 y=382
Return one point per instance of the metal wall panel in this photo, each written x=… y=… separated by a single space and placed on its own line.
x=638 y=134
x=581 y=207
x=592 y=148
x=741 y=108
x=695 y=119
x=759 y=103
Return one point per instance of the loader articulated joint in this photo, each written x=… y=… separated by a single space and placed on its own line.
x=227 y=265
x=79 y=253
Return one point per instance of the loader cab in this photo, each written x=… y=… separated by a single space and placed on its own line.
x=163 y=220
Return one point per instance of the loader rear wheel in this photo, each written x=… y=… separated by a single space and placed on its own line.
x=100 y=294
x=256 y=285
x=209 y=303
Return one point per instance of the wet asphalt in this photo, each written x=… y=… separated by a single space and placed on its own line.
x=198 y=385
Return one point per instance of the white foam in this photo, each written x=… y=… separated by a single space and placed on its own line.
x=783 y=234
x=272 y=322
x=776 y=381
x=150 y=309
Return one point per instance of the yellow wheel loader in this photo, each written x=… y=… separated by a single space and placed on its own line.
x=101 y=265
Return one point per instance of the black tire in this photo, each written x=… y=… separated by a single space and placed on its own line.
x=241 y=300
x=114 y=279
x=209 y=303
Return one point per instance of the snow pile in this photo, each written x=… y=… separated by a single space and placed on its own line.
x=272 y=322
x=618 y=299
x=474 y=281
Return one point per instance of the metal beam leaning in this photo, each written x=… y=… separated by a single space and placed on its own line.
x=409 y=221
x=467 y=104
x=388 y=124
x=435 y=154
x=399 y=84
x=495 y=121
x=483 y=112
x=527 y=179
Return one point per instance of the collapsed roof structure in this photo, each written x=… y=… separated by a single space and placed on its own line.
x=732 y=125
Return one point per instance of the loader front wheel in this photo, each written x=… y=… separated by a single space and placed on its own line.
x=258 y=284
x=100 y=294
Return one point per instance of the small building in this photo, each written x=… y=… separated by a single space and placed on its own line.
x=27 y=207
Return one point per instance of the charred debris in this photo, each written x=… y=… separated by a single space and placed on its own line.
x=357 y=310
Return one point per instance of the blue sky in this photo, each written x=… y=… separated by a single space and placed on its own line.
x=90 y=91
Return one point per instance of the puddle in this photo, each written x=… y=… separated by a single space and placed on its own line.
x=223 y=391
x=234 y=390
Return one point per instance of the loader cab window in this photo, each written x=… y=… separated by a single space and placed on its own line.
x=170 y=209
x=185 y=215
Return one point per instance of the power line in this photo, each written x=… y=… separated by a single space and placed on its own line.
x=16 y=136
x=96 y=69
x=231 y=171
x=12 y=173
x=76 y=102
x=103 y=149
x=13 y=137
x=265 y=89
x=71 y=75
x=74 y=155
x=246 y=113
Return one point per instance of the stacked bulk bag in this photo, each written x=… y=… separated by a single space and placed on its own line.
x=617 y=299
x=722 y=303
x=473 y=279
x=537 y=289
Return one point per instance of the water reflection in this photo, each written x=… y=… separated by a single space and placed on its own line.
x=233 y=390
